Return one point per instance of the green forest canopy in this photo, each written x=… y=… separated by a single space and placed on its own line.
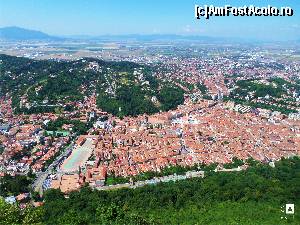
x=48 y=83
x=251 y=197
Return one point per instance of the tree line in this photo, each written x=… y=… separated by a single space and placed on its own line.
x=250 y=197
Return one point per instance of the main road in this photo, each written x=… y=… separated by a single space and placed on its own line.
x=42 y=176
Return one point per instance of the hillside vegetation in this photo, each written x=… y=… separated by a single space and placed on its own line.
x=255 y=196
x=122 y=88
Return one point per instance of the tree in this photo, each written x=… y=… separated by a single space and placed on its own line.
x=53 y=195
x=14 y=185
x=170 y=97
x=9 y=213
x=109 y=214
x=72 y=217
x=33 y=216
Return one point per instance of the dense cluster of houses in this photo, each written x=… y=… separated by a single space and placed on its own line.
x=199 y=131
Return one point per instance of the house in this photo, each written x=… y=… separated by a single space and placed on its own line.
x=67 y=183
x=100 y=124
x=4 y=128
x=96 y=176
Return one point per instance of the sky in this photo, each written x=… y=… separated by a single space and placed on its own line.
x=100 y=17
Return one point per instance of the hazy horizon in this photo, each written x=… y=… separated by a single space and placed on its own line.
x=115 y=17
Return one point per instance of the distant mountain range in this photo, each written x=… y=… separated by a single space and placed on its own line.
x=22 y=34
x=17 y=33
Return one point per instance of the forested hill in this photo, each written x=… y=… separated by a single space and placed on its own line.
x=256 y=196
x=123 y=88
